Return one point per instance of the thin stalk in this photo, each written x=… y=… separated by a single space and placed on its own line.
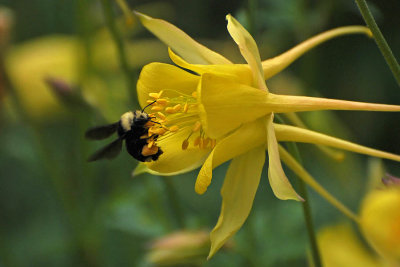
x=84 y=28
x=305 y=204
x=379 y=39
x=173 y=201
x=302 y=189
x=116 y=35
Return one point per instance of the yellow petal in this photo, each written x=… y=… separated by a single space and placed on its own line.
x=182 y=43
x=238 y=192
x=277 y=179
x=174 y=160
x=248 y=49
x=236 y=72
x=380 y=221
x=224 y=104
x=295 y=134
x=287 y=103
x=247 y=137
x=155 y=77
x=295 y=120
x=308 y=179
x=277 y=64
x=340 y=246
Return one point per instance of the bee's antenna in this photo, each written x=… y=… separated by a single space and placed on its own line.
x=149 y=105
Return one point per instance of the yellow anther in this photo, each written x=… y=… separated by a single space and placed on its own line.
x=193 y=106
x=159 y=131
x=170 y=110
x=196 y=126
x=185 y=108
x=213 y=143
x=157 y=108
x=162 y=101
x=147 y=151
x=206 y=142
x=156 y=95
x=194 y=94
x=197 y=141
x=149 y=101
x=161 y=115
x=185 y=144
x=174 y=128
x=144 y=136
x=177 y=107
x=201 y=143
x=150 y=144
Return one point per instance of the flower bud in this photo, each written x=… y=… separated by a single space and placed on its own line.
x=180 y=248
x=390 y=180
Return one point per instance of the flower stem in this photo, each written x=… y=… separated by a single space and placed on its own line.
x=116 y=35
x=302 y=189
x=379 y=39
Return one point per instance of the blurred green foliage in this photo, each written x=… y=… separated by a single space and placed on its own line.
x=58 y=210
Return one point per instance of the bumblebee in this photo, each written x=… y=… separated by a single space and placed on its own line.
x=132 y=127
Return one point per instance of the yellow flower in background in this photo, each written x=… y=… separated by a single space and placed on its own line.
x=29 y=64
x=380 y=225
x=380 y=221
x=340 y=246
x=213 y=111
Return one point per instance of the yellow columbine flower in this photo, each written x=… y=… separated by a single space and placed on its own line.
x=380 y=224
x=212 y=111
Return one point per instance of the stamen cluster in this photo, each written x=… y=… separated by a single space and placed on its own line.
x=170 y=114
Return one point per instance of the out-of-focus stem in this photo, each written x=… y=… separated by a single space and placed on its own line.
x=130 y=77
x=302 y=189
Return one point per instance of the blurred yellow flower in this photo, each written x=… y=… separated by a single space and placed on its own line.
x=29 y=64
x=380 y=225
x=340 y=246
x=380 y=221
x=211 y=111
x=62 y=57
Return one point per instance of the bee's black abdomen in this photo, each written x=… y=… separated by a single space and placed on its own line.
x=134 y=147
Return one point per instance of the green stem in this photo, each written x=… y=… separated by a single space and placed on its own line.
x=84 y=28
x=130 y=77
x=379 y=39
x=305 y=204
x=174 y=202
x=302 y=189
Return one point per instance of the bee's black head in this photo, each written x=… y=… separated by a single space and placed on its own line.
x=140 y=118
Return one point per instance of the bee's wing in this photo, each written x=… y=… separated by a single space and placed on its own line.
x=110 y=151
x=101 y=132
